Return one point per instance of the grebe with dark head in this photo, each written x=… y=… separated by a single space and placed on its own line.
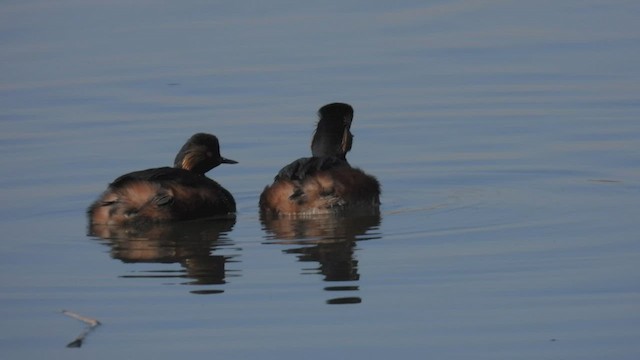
x=325 y=182
x=164 y=194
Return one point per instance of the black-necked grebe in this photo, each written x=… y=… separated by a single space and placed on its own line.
x=164 y=194
x=324 y=182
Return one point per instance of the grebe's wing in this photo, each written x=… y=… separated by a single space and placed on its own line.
x=304 y=167
x=161 y=175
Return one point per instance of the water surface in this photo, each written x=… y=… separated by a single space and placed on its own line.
x=504 y=133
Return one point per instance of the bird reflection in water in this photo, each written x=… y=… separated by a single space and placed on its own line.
x=328 y=239
x=192 y=244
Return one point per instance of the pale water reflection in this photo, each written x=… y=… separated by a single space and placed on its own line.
x=194 y=245
x=328 y=243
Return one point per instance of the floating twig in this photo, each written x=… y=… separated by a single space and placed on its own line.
x=93 y=323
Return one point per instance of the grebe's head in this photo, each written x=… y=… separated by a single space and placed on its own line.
x=200 y=154
x=333 y=136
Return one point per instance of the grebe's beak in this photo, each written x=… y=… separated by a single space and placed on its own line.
x=227 y=161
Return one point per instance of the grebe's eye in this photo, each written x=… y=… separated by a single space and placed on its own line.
x=209 y=154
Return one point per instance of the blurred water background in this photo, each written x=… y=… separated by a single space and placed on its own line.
x=505 y=135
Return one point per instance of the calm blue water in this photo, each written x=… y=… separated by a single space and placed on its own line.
x=506 y=136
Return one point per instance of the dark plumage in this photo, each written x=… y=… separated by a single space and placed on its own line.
x=164 y=194
x=324 y=182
